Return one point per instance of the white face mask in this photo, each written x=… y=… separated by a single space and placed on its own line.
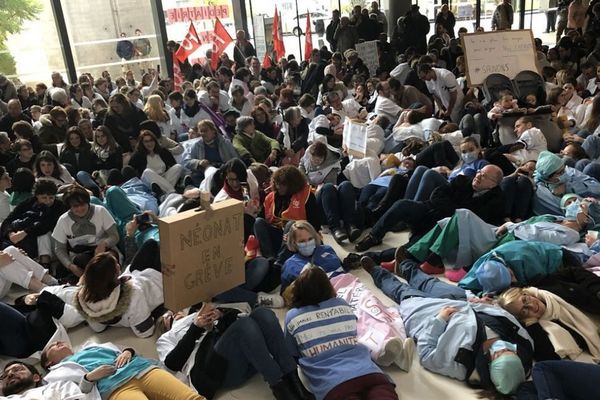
x=470 y=157
x=307 y=248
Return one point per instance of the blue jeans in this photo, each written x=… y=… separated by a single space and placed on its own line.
x=412 y=212
x=419 y=284
x=338 y=204
x=270 y=239
x=563 y=380
x=370 y=196
x=256 y=270
x=423 y=182
x=14 y=338
x=85 y=178
x=255 y=343
x=591 y=145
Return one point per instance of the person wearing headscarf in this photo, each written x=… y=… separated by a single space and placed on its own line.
x=554 y=179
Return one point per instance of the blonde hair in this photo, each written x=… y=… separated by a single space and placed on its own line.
x=508 y=299
x=305 y=226
x=154 y=109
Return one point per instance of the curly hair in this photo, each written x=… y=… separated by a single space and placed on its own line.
x=290 y=177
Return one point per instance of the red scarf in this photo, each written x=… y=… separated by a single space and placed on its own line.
x=238 y=195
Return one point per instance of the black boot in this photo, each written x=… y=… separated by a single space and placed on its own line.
x=294 y=382
x=283 y=391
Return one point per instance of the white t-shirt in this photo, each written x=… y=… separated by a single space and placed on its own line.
x=442 y=87
x=386 y=107
x=101 y=219
x=535 y=142
x=156 y=164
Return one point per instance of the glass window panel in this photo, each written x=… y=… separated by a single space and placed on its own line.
x=112 y=35
x=203 y=13
x=23 y=58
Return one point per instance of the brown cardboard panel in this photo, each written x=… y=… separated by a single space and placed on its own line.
x=206 y=249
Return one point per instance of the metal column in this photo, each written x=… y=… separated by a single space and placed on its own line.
x=63 y=37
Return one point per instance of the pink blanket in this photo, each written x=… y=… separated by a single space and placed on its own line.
x=377 y=323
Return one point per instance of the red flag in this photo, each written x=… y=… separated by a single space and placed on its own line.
x=278 y=45
x=190 y=43
x=266 y=61
x=177 y=76
x=220 y=43
x=308 y=40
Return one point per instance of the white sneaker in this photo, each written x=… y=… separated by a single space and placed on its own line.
x=405 y=359
x=270 y=300
x=392 y=349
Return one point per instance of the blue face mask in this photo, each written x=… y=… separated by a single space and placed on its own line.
x=470 y=157
x=307 y=248
x=499 y=345
x=572 y=210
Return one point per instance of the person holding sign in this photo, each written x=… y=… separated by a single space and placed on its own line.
x=446 y=92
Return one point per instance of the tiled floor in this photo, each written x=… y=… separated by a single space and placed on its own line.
x=417 y=384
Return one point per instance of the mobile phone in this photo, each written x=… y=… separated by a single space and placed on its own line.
x=158 y=69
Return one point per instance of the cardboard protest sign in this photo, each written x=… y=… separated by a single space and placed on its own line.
x=498 y=52
x=206 y=248
x=355 y=138
x=367 y=51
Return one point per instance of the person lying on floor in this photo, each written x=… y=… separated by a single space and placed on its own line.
x=109 y=373
x=21 y=380
x=321 y=333
x=215 y=348
x=379 y=328
x=475 y=342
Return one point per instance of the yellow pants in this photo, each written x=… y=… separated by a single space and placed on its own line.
x=157 y=384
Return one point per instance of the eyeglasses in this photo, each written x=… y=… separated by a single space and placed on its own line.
x=526 y=307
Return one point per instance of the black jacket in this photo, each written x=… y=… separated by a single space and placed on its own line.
x=6 y=123
x=125 y=127
x=86 y=162
x=114 y=160
x=36 y=220
x=477 y=359
x=298 y=136
x=139 y=161
x=445 y=200
x=210 y=368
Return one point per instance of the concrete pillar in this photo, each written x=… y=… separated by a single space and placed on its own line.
x=240 y=16
x=397 y=8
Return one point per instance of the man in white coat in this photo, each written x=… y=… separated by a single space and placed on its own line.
x=23 y=381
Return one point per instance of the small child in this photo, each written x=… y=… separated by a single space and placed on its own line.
x=505 y=104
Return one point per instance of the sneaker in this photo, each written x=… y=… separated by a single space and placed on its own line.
x=405 y=359
x=392 y=350
x=352 y=261
x=367 y=263
x=270 y=300
x=187 y=182
x=431 y=269
x=455 y=275
x=366 y=243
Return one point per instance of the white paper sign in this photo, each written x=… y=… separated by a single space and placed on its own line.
x=355 y=138
x=367 y=51
x=499 y=52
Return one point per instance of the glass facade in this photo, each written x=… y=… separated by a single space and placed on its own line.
x=122 y=35
x=111 y=35
x=26 y=57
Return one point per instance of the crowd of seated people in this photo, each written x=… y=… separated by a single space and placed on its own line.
x=500 y=195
